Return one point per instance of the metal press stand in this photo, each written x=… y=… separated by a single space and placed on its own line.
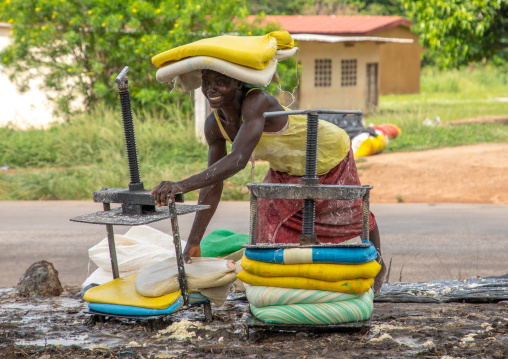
x=309 y=190
x=117 y=217
x=138 y=206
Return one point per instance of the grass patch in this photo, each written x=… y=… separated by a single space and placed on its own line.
x=451 y=95
x=73 y=159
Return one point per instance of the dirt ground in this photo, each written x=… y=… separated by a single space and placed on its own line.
x=47 y=328
x=58 y=328
x=465 y=174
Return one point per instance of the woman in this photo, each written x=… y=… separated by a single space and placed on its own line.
x=238 y=117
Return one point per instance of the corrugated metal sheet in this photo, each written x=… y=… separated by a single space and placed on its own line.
x=336 y=24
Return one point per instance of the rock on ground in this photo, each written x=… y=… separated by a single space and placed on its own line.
x=41 y=278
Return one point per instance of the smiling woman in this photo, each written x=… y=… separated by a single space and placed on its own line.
x=237 y=118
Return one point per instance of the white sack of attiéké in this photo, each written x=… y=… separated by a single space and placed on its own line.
x=140 y=247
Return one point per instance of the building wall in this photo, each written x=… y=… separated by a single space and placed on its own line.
x=335 y=97
x=22 y=110
x=5 y=30
x=400 y=63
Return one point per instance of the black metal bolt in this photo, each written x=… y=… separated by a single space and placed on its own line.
x=311 y=146
x=128 y=126
x=310 y=178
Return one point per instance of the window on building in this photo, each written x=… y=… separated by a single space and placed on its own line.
x=348 y=73
x=322 y=72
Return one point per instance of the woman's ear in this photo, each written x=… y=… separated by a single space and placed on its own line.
x=239 y=84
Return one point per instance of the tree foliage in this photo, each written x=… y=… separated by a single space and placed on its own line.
x=456 y=33
x=453 y=32
x=78 y=47
x=325 y=7
x=270 y=7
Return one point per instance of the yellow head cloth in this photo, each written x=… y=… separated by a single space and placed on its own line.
x=251 y=51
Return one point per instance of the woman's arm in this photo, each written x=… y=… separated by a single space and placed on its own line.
x=209 y=195
x=220 y=165
x=245 y=141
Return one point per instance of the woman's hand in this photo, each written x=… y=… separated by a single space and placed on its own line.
x=161 y=191
x=191 y=251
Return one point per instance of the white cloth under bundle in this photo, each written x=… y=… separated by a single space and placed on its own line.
x=188 y=72
x=210 y=276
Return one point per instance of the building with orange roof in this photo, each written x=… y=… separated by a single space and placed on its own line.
x=348 y=61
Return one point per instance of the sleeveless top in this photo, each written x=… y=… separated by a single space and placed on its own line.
x=285 y=150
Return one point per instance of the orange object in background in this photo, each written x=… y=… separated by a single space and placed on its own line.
x=389 y=130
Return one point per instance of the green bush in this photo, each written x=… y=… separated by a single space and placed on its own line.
x=450 y=95
x=78 y=47
x=71 y=160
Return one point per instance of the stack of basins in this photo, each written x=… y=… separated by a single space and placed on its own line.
x=324 y=285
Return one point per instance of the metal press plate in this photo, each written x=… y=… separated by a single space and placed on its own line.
x=296 y=245
x=300 y=191
x=138 y=317
x=116 y=217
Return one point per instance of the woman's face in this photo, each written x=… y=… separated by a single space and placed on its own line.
x=219 y=89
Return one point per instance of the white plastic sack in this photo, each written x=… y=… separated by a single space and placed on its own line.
x=102 y=276
x=140 y=247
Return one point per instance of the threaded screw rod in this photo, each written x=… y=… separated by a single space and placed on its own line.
x=130 y=140
x=311 y=146
x=309 y=205
x=128 y=127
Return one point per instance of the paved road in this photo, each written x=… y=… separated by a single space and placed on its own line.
x=423 y=241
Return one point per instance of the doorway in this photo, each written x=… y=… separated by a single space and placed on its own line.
x=372 y=86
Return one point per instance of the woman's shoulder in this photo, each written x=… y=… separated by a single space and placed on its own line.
x=212 y=130
x=261 y=99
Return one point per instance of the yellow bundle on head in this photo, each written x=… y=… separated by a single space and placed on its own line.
x=251 y=51
x=250 y=59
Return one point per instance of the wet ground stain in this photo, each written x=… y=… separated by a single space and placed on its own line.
x=58 y=328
